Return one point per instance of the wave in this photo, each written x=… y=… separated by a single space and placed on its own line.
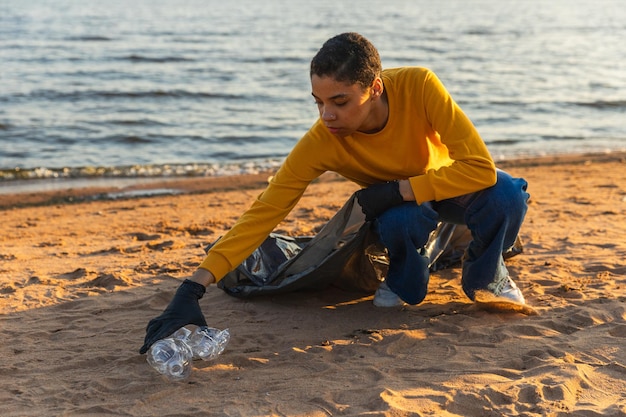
x=561 y=137
x=506 y=103
x=128 y=139
x=89 y=38
x=141 y=171
x=158 y=60
x=598 y=104
x=498 y=142
x=134 y=122
x=55 y=95
x=273 y=59
x=603 y=104
x=479 y=31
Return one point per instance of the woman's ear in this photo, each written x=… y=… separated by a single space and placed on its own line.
x=377 y=87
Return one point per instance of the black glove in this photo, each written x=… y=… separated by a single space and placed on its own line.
x=378 y=198
x=182 y=310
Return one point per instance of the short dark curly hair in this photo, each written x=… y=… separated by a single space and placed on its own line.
x=348 y=57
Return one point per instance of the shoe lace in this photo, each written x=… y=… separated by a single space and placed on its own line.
x=497 y=287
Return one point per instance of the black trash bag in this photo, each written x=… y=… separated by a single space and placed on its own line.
x=345 y=253
x=337 y=255
x=450 y=242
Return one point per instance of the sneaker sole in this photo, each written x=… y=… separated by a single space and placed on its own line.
x=383 y=305
x=486 y=300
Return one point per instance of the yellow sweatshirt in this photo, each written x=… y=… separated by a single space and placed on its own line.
x=427 y=140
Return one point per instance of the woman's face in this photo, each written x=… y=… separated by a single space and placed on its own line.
x=346 y=108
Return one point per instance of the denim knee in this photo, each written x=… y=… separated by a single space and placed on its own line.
x=504 y=203
x=409 y=222
x=515 y=193
x=512 y=194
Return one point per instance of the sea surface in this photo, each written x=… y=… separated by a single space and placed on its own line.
x=150 y=88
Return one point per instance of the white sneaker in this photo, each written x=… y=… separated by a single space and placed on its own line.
x=505 y=299
x=510 y=291
x=384 y=297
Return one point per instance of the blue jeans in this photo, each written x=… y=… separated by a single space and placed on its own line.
x=494 y=217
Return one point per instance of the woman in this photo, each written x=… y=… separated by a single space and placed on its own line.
x=399 y=134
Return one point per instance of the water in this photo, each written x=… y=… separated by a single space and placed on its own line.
x=204 y=87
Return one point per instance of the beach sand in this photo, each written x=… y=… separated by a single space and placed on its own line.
x=81 y=276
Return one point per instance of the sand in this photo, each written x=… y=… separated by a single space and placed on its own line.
x=80 y=276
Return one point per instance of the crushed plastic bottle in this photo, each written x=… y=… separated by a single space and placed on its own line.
x=207 y=343
x=172 y=356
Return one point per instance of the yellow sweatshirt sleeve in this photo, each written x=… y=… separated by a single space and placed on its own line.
x=271 y=206
x=472 y=168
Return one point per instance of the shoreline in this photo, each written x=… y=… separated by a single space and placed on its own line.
x=58 y=191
